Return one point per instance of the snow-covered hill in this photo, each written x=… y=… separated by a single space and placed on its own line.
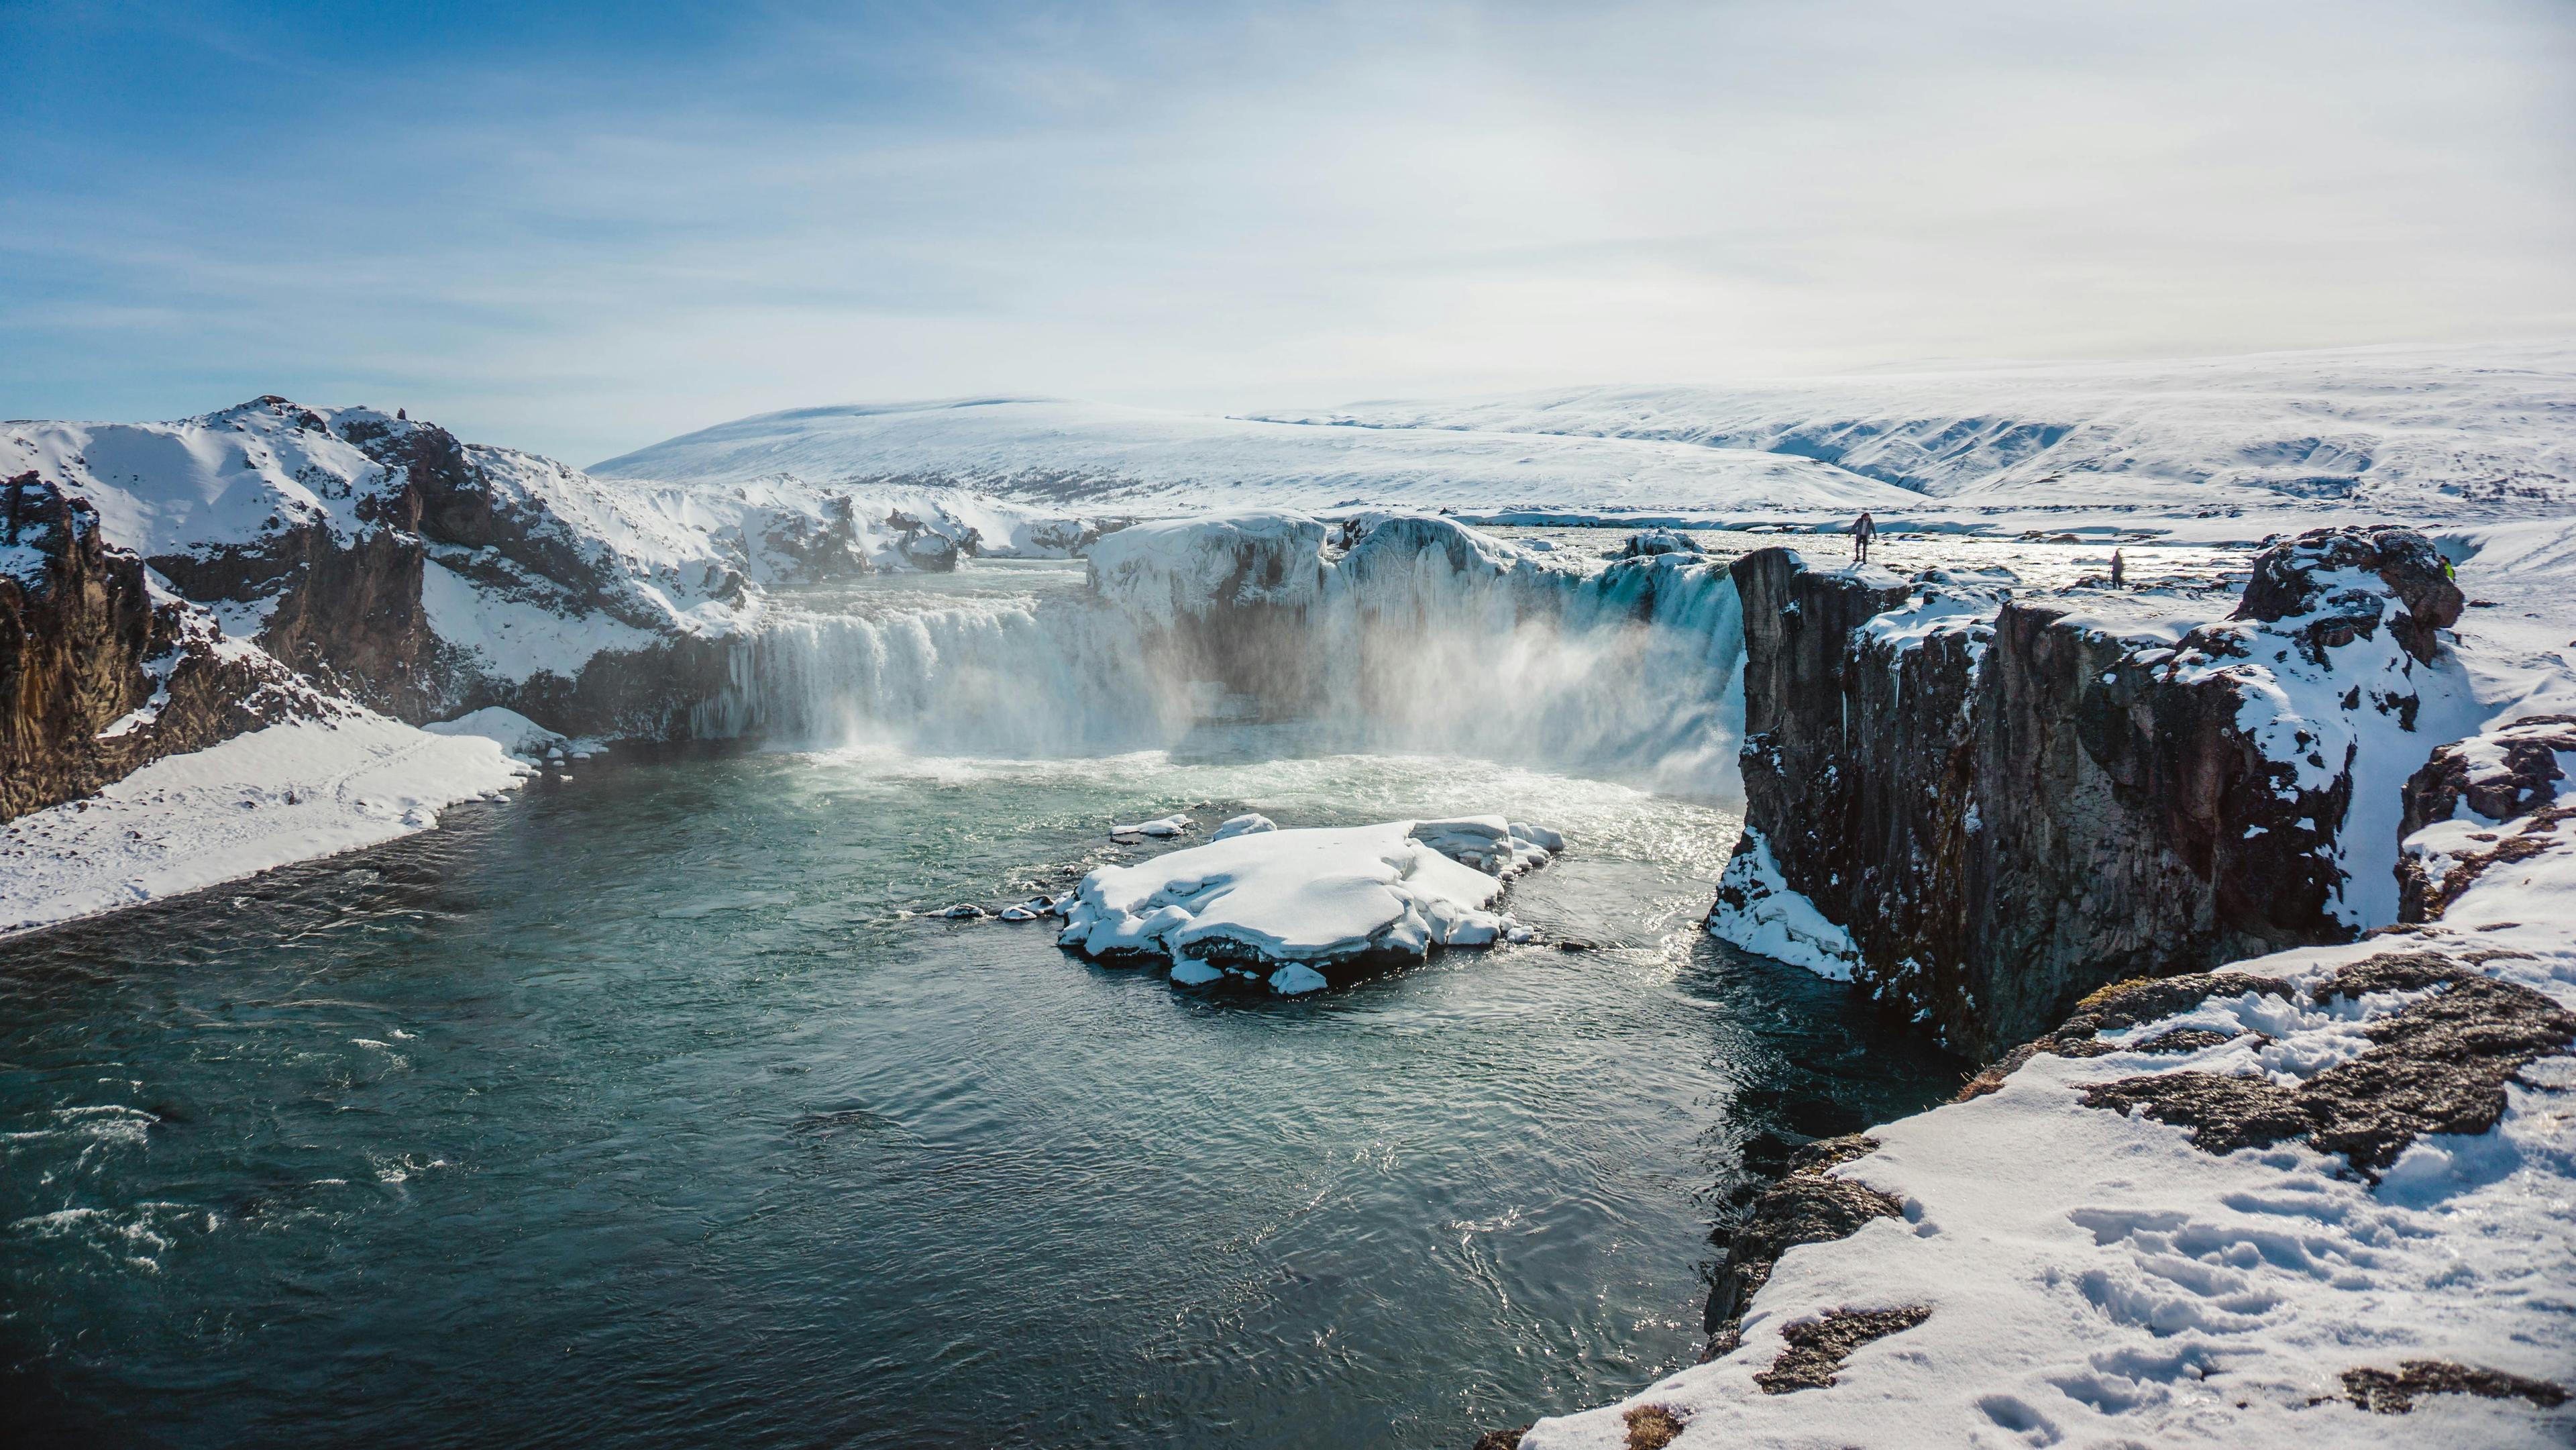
x=2285 y=440
x=2445 y=432
x=1146 y=461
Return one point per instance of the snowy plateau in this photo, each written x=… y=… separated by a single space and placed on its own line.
x=2275 y=1140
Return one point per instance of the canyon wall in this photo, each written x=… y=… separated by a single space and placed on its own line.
x=98 y=677
x=1981 y=807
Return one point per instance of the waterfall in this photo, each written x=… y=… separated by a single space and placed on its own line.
x=1424 y=637
x=992 y=678
x=1635 y=671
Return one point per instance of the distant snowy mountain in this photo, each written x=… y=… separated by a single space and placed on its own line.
x=2422 y=433
x=2445 y=431
x=1148 y=461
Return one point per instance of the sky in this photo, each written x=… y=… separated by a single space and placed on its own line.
x=580 y=229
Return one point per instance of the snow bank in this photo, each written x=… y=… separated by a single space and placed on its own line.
x=288 y=793
x=515 y=733
x=1285 y=906
x=2097 y=1279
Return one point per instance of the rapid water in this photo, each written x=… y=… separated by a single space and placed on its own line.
x=634 y=1111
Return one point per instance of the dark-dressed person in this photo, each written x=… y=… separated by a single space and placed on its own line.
x=1864 y=529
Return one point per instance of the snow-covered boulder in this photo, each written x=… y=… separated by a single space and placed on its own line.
x=522 y=737
x=1286 y=907
x=1248 y=824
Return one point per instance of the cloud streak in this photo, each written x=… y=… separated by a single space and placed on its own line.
x=579 y=233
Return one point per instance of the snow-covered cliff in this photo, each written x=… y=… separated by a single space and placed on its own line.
x=1982 y=807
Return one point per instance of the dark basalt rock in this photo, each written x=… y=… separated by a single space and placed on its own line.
x=2394 y=1392
x=1818 y=1348
x=1806 y=1206
x=2011 y=810
x=1503 y=1439
x=2438 y=1066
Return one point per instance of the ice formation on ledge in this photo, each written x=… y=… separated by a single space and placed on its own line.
x=1191 y=567
x=1287 y=906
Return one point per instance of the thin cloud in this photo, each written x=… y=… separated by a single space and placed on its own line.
x=577 y=235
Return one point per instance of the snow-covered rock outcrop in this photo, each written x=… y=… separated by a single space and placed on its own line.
x=2314 y=1199
x=1292 y=908
x=2483 y=803
x=1983 y=807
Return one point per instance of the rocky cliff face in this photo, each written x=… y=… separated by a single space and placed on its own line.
x=1982 y=808
x=97 y=677
x=172 y=583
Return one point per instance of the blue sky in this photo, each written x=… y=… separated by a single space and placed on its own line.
x=583 y=228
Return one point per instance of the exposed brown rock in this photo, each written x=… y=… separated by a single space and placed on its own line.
x=82 y=645
x=1652 y=1427
x=1818 y=1347
x=2524 y=779
x=1808 y=1205
x=2394 y=1392
x=2438 y=1066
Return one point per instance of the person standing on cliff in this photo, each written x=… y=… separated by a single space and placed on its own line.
x=1864 y=529
x=2119 y=572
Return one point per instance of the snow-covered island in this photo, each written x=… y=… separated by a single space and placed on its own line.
x=1295 y=908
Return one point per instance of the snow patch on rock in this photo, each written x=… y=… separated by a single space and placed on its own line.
x=1283 y=906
